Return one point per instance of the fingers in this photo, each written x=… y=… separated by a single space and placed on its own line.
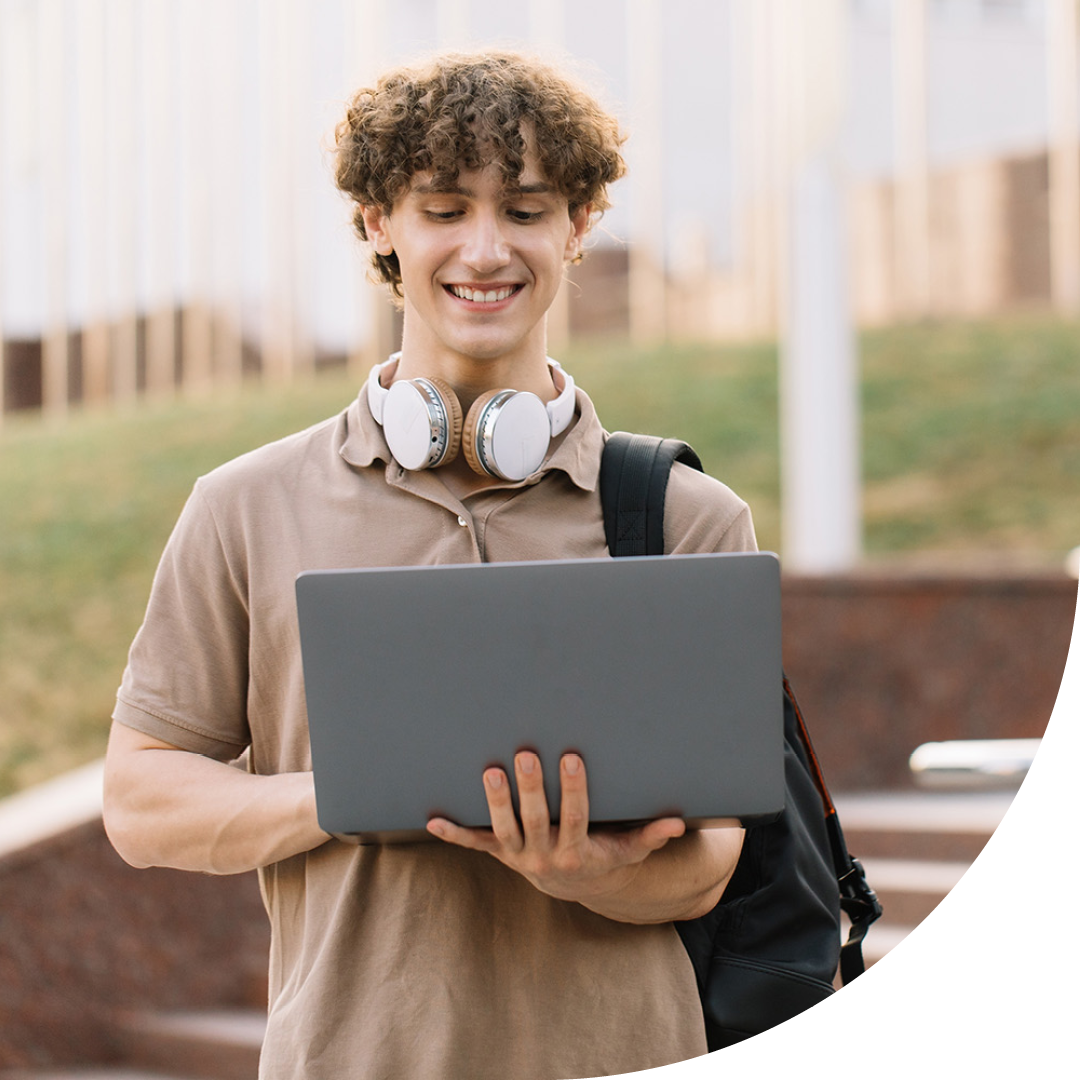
x=574 y=804
x=474 y=839
x=504 y=821
x=532 y=801
x=530 y=825
x=656 y=834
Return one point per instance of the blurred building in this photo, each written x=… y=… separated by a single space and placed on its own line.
x=167 y=212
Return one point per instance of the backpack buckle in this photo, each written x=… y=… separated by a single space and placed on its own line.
x=857 y=899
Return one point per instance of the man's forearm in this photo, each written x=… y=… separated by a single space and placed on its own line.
x=169 y=807
x=682 y=880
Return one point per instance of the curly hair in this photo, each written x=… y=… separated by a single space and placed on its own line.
x=467 y=111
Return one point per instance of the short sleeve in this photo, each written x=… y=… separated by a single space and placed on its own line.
x=187 y=674
x=701 y=514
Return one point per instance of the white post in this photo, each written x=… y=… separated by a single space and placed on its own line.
x=645 y=154
x=1064 y=155
x=818 y=381
x=55 y=163
x=11 y=72
x=122 y=196
x=157 y=49
x=230 y=190
x=744 y=122
x=4 y=150
x=547 y=33
x=911 y=205
x=757 y=73
x=285 y=346
x=366 y=30
x=92 y=197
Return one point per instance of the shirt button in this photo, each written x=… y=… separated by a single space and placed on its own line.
x=462 y=522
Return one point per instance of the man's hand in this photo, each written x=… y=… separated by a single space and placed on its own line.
x=604 y=869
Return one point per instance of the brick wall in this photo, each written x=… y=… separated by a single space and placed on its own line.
x=882 y=664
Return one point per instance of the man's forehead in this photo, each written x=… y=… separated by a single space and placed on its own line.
x=466 y=181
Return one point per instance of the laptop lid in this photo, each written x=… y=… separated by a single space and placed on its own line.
x=664 y=673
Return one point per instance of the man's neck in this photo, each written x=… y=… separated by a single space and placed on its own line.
x=471 y=376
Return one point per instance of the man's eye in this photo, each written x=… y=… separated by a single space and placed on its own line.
x=526 y=215
x=443 y=215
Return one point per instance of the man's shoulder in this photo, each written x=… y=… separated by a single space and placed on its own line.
x=277 y=463
x=703 y=513
x=687 y=482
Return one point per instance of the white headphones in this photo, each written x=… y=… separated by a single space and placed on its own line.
x=506 y=433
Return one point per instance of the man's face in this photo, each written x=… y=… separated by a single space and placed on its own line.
x=480 y=262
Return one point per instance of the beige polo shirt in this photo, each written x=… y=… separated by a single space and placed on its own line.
x=419 y=960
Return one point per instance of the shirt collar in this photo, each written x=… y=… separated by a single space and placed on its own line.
x=578 y=455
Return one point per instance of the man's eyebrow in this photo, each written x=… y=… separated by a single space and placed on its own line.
x=432 y=187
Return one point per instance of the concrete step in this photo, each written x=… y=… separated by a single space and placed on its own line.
x=909 y=889
x=209 y=1045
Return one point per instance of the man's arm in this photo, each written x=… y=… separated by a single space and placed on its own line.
x=165 y=806
x=655 y=873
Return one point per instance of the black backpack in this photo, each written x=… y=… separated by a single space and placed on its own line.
x=771 y=947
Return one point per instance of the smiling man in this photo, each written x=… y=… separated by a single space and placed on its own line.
x=530 y=950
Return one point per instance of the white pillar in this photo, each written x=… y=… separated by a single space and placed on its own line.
x=1064 y=154
x=754 y=219
x=122 y=195
x=158 y=137
x=230 y=190
x=366 y=30
x=911 y=185
x=92 y=196
x=55 y=166
x=283 y=47
x=820 y=502
x=4 y=152
x=547 y=34
x=645 y=161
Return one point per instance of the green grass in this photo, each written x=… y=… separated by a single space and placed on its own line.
x=971 y=447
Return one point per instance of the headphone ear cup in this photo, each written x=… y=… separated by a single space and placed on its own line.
x=469 y=431
x=421 y=420
x=507 y=434
x=453 y=419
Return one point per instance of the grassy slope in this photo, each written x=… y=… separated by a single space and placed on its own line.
x=971 y=445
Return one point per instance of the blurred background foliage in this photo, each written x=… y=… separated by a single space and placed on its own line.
x=971 y=457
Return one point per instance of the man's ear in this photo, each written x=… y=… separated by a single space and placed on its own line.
x=377 y=227
x=580 y=223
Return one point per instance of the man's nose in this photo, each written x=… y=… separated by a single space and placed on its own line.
x=485 y=248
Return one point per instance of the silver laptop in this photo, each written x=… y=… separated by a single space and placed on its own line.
x=664 y=673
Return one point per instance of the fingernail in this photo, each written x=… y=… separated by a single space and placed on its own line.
x=527 y=763
x=494 y=778
x=572 y=764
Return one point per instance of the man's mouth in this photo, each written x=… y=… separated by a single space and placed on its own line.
x=483 y=296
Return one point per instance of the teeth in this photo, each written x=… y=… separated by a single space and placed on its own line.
x=478 y=296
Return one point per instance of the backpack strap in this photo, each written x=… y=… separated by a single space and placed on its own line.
x=633 y=482
x=634 y=473
x=858 y=901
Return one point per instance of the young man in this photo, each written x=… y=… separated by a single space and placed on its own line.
x=527 y=950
